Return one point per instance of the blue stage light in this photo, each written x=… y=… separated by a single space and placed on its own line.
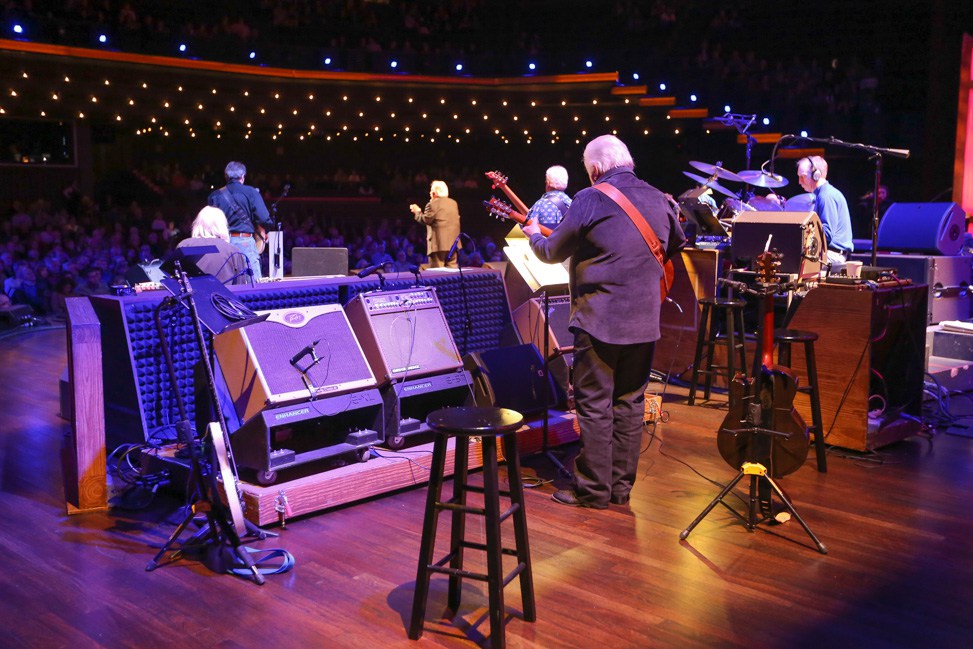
x=18 y=29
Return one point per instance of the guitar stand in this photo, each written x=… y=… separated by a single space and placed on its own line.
x=217 y=538
x=757 y=472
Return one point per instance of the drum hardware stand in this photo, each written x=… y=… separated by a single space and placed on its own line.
x=217 y=539
x=757 y=472
x=742 y=124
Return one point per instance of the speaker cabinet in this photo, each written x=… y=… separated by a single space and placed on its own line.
x=293 y=355
x=510 y=377
x=404 y=333
x=316 y=262
x=797 y=235
x=948 y=279
x=529 y=321
x=288 y=436
x=928 y=228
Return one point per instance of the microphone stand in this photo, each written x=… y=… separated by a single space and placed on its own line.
x=875 y=153
x=277 y=250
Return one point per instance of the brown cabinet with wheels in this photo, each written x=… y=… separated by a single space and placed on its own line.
x=870 y=355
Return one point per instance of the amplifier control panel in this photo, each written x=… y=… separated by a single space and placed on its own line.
x=383 y=301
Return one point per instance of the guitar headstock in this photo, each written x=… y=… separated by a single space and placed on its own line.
x=766 y=266
x=498 y=208
x=497 y=178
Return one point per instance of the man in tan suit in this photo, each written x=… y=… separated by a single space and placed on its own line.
x=441 y=216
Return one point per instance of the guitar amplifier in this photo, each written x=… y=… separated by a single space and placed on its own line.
x=404 y=334
x=797 y=235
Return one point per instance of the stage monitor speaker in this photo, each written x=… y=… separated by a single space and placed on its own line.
x=510 y=377
x=295 y=354
x=404 y=333
x=927 y=228
x=797 y=235
x=315 y=262
x=529 y=320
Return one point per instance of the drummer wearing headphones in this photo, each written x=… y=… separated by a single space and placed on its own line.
x=830 y=205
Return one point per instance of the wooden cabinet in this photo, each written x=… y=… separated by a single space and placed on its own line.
x=870 y=358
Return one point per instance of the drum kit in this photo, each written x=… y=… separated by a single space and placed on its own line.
x=696 y=202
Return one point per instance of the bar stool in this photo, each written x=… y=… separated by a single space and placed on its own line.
x=784 y=338
x=715 y=309
x=486 y=424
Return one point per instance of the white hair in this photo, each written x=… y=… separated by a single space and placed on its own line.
x=606 y=152
x=210 y=223
x=439 y=188
x=556 y=177
x=812 y=162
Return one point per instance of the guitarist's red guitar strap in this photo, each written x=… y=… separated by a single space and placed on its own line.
x=651 y=240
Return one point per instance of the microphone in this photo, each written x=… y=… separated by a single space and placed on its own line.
x=898 y=153
x=287 y=188
x=304 y=352
x=365 y=272
x=456 y=244
x=414 y=269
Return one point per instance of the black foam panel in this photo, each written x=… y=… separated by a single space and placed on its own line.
x=139 y=402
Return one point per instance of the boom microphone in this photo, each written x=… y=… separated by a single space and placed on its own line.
x=304 y=352
x=371 y=270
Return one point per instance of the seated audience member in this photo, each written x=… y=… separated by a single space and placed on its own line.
x=62 y=291
x=92 y=284
x=210 y=229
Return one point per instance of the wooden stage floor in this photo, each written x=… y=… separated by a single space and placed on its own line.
x=897 y=524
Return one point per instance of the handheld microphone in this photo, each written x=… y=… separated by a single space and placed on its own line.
x=365 y=272
x=304 y=352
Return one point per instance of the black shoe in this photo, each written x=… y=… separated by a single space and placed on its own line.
x=569 y=498
x=620 y=499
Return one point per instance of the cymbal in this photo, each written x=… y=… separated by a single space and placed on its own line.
x=719 y=172
x=712 y=184
x=760 y=178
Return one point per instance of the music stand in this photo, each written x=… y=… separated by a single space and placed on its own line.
x=541 y=278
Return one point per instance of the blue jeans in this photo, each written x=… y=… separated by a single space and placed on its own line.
x=248 y=247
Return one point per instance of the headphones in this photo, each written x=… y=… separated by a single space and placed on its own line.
x=815 y=172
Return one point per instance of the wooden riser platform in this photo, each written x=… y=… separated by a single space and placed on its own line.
x=390 y=472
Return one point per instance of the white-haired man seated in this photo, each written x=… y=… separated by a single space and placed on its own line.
x=550 y=208
x=228 y=263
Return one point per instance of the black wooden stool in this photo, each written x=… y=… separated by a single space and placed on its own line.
x=486 y=424
x=784 y=338
x=715 y=310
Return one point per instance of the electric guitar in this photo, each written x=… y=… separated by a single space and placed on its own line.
x=499 y=180
x=501 y=210
x=227 y=476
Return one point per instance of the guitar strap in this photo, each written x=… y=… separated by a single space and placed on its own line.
x=648 y=234
x=232 y=201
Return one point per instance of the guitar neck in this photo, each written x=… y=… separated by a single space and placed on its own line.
x=517 y=203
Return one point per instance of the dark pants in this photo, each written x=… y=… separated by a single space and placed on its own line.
x=609 y=393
